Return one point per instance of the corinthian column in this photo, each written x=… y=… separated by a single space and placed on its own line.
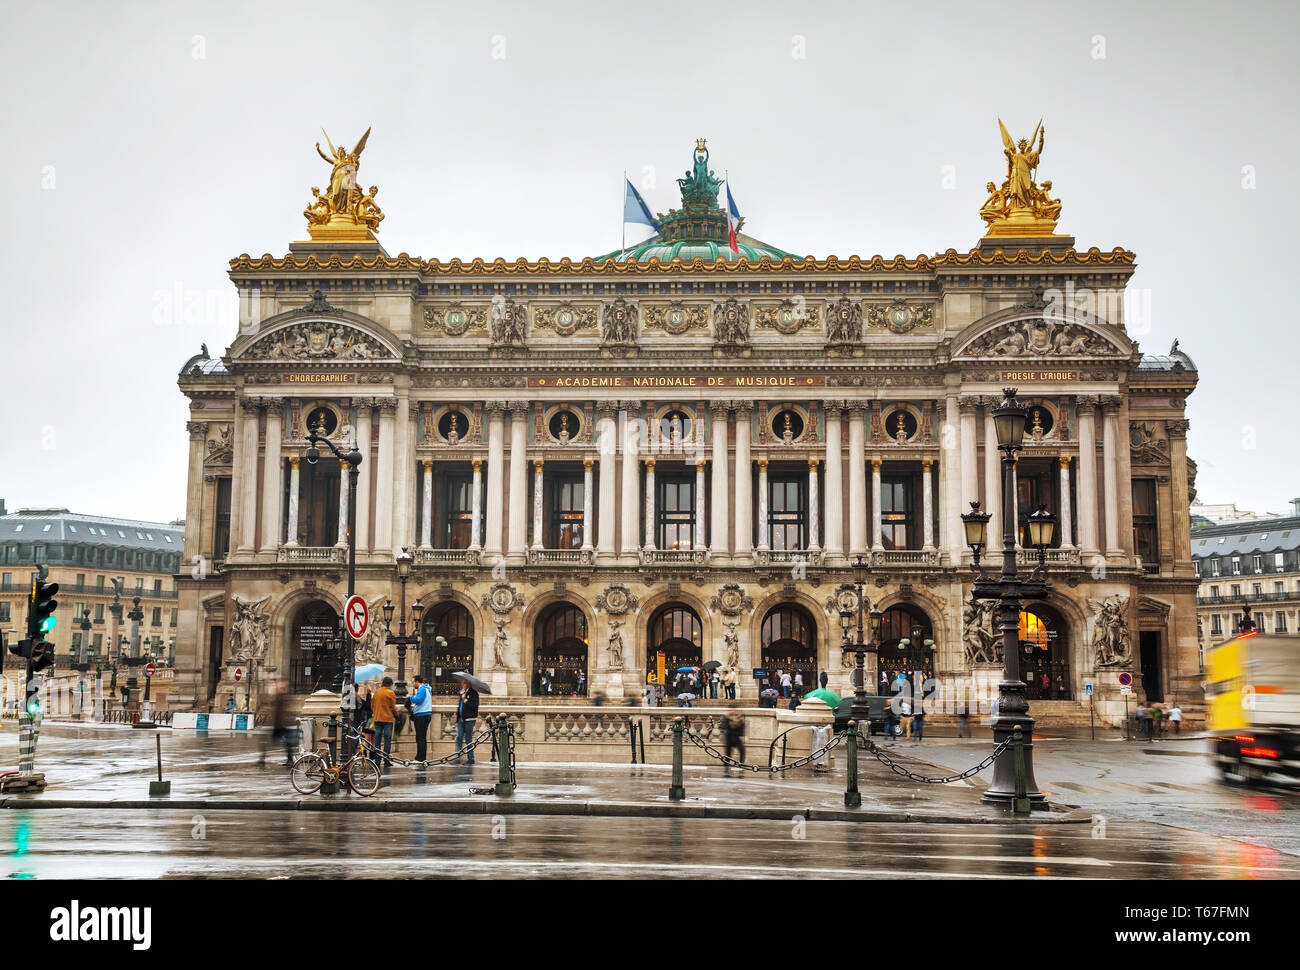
x=363 y=479
x=992 y=480
x=857 y=480
x=699 y=503
x=834 y=486
x=649 y=503
x=1067 y=526
x=476 y=506
x=496 y=503
x=721 y=524
x=877 y=536
x=426 y=507
x=1110 y=474
x=1087 y=407
x=631 y=504
x=763 y=537
x=273 y=479
x=813 y=502
x=538 y=481
x=343 y=503
x=927 y=505
x=1177 y=432
x=384 y=478
x=291 y=530
x=248 y=478
x=608 y=430
x=586 y=502
x=744 y=485
x=518 y=481
x=969 y=468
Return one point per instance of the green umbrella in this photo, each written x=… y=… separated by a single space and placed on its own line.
x=831 y=698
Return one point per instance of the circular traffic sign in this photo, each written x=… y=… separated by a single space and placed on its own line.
x=356 y=616
x=239 y=675
x=150 y=670
x=1125 y=679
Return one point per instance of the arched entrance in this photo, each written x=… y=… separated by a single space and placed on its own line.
x=906 y=645
x=452 y=622
x=675 y=631
x=314 y=644
x=559 y=651
x=1044 y=654
x=789 y=642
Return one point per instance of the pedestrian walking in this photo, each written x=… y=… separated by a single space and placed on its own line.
x=1141 y=716
x=1176 y=717
x=230 y=701
x=421 y=715
x=383 y=709
x=466 y=717
x=963 y=722
x=918 y=722
x=282 y=724
x=795 y=702
x=1060 y=688
x=798 y=681
x=1155 y=715
x=823 y=679
x=733 y=732
x=905 y=716
x=581 y=687
x=787 y=683
x=891 y=721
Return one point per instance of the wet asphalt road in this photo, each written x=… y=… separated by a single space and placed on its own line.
x=159 y=844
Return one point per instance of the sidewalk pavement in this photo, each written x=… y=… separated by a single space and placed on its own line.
x=111 y=767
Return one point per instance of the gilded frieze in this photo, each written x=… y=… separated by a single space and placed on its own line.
x=789 y=316
x=676 y=318
x=565 y=319
x=456 y=320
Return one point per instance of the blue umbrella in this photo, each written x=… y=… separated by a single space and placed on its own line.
x=684 y=670
x=368 y=672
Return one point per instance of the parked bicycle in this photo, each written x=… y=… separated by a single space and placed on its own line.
x=314 y=769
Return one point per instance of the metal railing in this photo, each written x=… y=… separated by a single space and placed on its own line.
x=767 y=557
x=903 y=557
x=321 y=554
x=448 y=557
x=560 y=557
x=674 y=557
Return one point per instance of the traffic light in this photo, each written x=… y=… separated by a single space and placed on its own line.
x=42 y=655
x=40 y=618
x=32 y=705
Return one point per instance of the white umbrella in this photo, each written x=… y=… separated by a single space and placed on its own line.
x=368 y=672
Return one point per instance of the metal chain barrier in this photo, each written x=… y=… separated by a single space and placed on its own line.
x=898 y=769
x=713 y=752
x=374 y=755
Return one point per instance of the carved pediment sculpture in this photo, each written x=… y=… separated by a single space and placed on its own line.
x=1039 y=338
x=618 y=324
x=731 y=324
x=1145 y=447
x=844 y=322
x=221 y=448
x=317 y=341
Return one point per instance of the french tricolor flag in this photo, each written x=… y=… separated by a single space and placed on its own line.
x=733 y=219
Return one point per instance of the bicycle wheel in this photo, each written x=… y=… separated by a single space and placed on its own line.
x=307 y=774
x=363 y=776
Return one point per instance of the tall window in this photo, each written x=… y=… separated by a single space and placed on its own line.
x=1036 y=485
x=675 y=632
x=1216 y=625
x=99 y=612
x=897 y=513
x=1278 y=562
x=787 y=512
x=1214 y=567
x=1146 y=543
x=1279 y=622
x=1257 y=563
x=221 y=533
x=1196 y=567
x=458 y=522
x=567 y=494
x=675 y=511
x=4 y=612
x=1236 y=565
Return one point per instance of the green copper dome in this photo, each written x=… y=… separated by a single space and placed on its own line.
x=698 y=230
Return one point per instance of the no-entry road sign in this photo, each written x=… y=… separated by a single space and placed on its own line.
x=239 y=675
x=356 y=615
x=150 y=670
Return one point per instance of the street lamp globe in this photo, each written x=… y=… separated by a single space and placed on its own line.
x=846 y=621
x=876 y=618
x=388 y=612
x=417 y=610
x=1042 y=524
x=860 y=571
x=1009 y=420
x=404 y=561
x=976 y=524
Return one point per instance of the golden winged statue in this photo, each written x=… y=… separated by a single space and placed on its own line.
x=343 y=210
x=1020 y=207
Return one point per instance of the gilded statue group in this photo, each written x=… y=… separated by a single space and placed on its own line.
x=1019 y=194
x=344 y=200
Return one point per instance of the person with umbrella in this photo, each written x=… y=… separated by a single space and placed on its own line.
x=467 y=713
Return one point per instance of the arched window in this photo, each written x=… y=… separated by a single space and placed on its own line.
x=438 y=661
x=676 y=632
x=560 y=651
x=789 y=642
x=1045 y=654
x=314 y=648
x=906 y=645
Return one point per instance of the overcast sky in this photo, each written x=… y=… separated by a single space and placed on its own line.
x=145 y=144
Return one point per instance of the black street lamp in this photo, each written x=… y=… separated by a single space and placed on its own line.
x=350 y=461
x=82 y=663
x=134 y=661
x=861 y=709
x=1009 y=590
x=402 y=641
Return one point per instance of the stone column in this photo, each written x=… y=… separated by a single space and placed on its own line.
x=518 y=482
x=631 y=504
x=343 y=503
x=363 y=480
x=813 y=510
x=539 y=482
x=291 y=530
x=248 y=481
x=834 y=486
x=195 y=492
x=969 y=468
x=649 y=503
x=403 y=475
x=744 y=486
x=272 y=479
x=720 y=527
x=1177 y=432
x=1087 y=408
x=608 y=431
x=1110 y=474
x=384 y=477
x=699 y=504
x=1067 y=528
x=426 y=507
x=992 y=480
x=587 y=483
x=877 y=536
x=927 y=505
x=763 y=531
x=857 y=480
x=476 y=506
x=1124 y=467
x=496 y=502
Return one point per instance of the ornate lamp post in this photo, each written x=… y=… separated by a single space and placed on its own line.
x=350 y=461
x=114 y=645
x=1009 y=590
x=402 y=641
x=82 y=663
x=861 y=710
x=133 y=661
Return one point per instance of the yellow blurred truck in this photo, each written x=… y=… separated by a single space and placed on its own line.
x=1253 y=694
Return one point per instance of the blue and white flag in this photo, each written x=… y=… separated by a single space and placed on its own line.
x=635 y=209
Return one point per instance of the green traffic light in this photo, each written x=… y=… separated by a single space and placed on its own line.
x=49 y=623
x=34 y=706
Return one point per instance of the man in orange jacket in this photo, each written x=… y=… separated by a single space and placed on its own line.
x=383 y=708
